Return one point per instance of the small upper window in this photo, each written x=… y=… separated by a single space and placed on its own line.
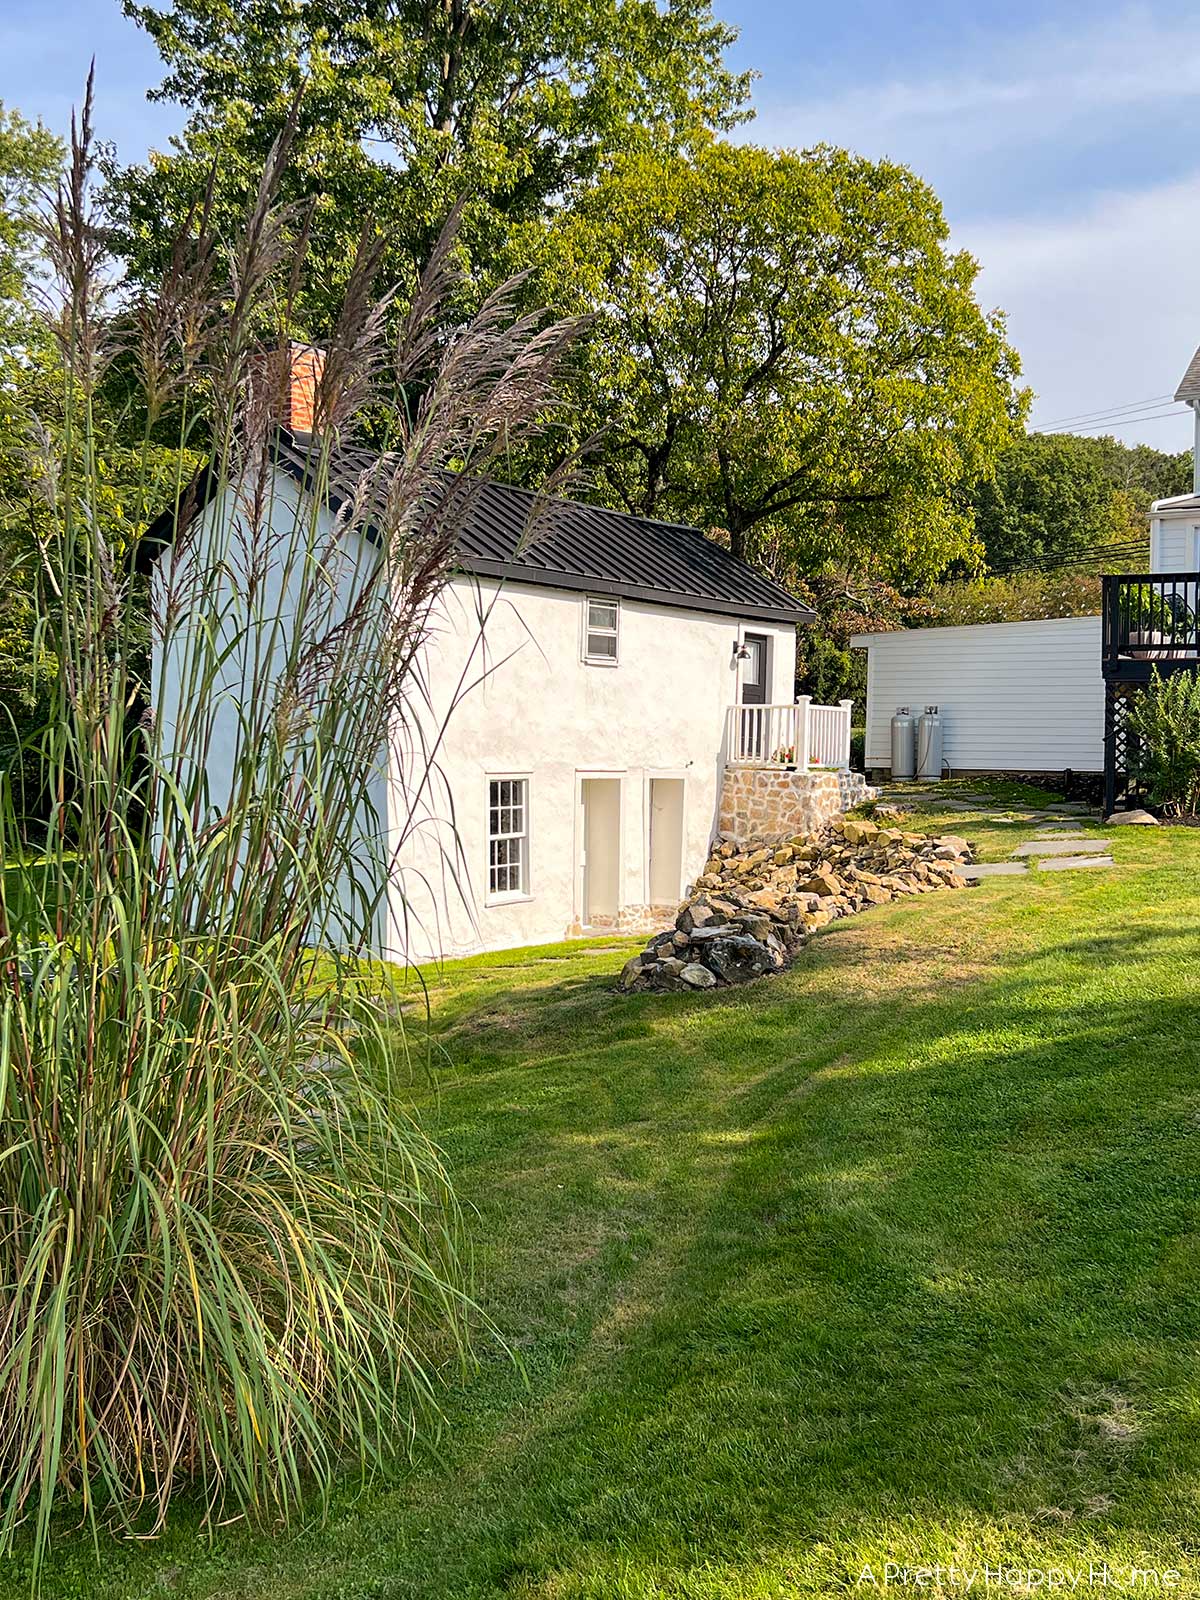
x=601 y=630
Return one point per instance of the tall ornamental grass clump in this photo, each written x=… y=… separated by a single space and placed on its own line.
x=227 y=1260
x=1164 y=730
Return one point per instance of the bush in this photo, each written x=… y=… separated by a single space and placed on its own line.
x=1165 y=725
x=1025 y=597
x=227 y=1257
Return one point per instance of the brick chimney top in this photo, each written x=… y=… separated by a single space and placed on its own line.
x=306 y=363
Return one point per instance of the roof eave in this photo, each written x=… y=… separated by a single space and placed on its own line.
x=676 y=599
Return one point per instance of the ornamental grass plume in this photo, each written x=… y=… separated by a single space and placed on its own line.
x=227 y=1260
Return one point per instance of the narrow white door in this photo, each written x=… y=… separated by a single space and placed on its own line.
x=666 y=842
x=601 y=850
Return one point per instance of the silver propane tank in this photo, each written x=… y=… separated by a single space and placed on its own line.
x=904 y=735
x=929 y=744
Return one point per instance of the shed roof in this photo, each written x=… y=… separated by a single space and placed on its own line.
x=521 y=536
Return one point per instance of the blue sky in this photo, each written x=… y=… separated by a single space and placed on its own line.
x=1057 y=134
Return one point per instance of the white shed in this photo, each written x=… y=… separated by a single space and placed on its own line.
x=1013 y=696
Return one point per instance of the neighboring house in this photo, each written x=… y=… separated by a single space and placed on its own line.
x=1048 y=696
x=623 y=671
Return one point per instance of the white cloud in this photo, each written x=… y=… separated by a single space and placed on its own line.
x=1064 y=156
x=1103 y=304
x=1005 y=90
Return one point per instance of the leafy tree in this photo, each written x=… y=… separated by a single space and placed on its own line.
x=407 y=105
x=1143 y=473
x=130 y=475
x=30 y=159
x=786 y=349
x=1019 y=597
x=1054 y=494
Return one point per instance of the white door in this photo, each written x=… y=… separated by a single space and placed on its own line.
x=665 y=844
x=601 y=838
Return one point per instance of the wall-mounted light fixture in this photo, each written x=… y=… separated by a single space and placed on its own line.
x=740 y=651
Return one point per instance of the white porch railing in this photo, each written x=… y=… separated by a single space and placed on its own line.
x=801 y=735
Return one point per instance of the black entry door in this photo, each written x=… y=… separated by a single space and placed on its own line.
x=754 y=670
x=754 y=693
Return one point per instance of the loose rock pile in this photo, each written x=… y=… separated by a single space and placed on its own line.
x=753 y=907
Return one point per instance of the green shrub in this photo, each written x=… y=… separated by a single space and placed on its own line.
x=1024 y=597
x=1165 y=723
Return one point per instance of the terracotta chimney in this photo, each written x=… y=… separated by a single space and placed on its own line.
x=306 y=363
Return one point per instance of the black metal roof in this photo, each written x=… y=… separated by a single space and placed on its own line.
x=521 y=536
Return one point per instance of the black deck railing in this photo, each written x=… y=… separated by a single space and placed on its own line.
x=1150 y=620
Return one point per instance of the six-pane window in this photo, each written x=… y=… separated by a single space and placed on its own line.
x=508 y=836
x=600 y=631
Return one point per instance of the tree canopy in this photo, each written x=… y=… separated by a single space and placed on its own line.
x=30 y=159
x=404 y=107
x=785 y=348
x=1060 y=494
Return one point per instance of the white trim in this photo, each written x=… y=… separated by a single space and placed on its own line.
x=613 y=633
x=508 y=897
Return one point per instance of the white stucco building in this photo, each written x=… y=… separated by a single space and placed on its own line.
x=588 y=688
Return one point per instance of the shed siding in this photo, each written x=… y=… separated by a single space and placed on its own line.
x=1014 y=696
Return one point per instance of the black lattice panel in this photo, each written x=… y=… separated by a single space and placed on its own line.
x=1121 y=752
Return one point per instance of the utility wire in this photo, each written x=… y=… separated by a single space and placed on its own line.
x=1122 y=422
x=1115 y=550
x=1089 y=416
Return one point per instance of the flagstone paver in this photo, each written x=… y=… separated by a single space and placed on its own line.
x=1069 y=863
x=1060 y=847
x=994 y=869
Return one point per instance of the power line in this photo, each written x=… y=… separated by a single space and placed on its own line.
x=1108 y=411
x=1106 y=553
x=1125 y=422
x=1135 y=421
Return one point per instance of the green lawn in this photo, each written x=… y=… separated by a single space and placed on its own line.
x=894 y=1258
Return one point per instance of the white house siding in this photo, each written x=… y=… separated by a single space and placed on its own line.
x=529 y=706
x=253 y=646
x=1014 y=696
x=1174 y=541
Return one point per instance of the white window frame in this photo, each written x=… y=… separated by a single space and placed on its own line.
x=495 y=896
x=613 y=633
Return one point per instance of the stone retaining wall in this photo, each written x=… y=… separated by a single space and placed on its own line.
x=770 y=804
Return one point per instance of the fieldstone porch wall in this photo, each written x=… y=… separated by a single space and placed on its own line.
x=771 y=804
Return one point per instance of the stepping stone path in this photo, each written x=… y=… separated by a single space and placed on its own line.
x=1067 y=863
x=1069 y=846
x=1059 y=847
